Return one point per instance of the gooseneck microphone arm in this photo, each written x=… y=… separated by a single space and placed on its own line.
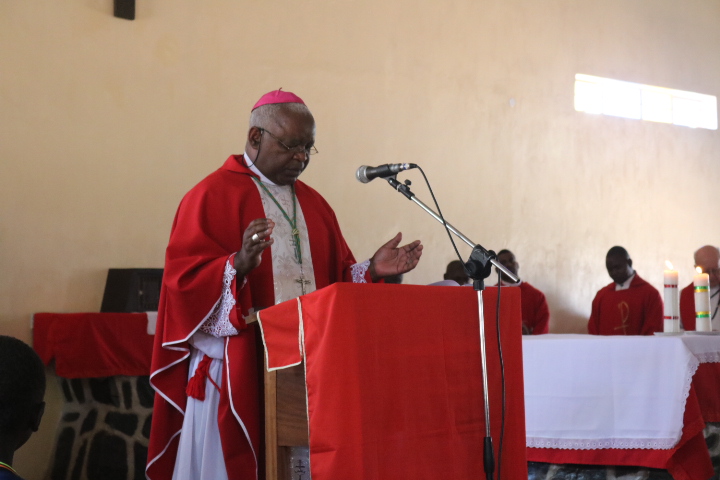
x=405 y=190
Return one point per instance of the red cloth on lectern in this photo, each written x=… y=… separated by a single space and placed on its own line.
x=90 y=345
x=637 y=310
x=394 y=380
x=207 y=231
x=687 y=307
x=689 y=460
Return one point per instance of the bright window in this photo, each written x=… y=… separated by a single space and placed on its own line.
x=656 y=104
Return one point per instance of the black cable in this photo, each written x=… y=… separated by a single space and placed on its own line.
x=497 y=324
x=427 y=182
x=502 y=376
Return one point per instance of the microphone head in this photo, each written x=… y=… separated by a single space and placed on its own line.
x=360 y=174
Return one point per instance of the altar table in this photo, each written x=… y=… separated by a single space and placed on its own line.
x=636 y=401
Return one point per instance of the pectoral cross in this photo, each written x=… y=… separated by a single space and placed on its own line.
x=302 y=283
x=296 y=243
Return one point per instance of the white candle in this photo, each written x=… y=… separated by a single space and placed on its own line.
x=701 y=282
x=672 y=300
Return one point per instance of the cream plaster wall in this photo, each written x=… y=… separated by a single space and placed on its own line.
x=105 y=123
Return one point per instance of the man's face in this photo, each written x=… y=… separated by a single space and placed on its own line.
x=275 y=161
x=507 y=260
x=709 y=262
x=619 y=268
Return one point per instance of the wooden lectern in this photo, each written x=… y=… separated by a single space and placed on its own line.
x=393 y=381
x=286 y=422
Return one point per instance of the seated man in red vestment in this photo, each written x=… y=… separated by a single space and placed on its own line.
x=707 y=259
x=248 y=236
x=629 y=305
x=535 y=312
x=22 y=389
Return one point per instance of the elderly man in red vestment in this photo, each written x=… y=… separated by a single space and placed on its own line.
x=535 y=312
x=248 y=236
x=629 y=305
x=707 y=259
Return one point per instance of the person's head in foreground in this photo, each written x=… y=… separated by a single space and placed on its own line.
x=22 y=390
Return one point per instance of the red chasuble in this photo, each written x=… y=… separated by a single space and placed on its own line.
x=206 y=233
x=687 y=307
x=637 y=310
x=535 y=312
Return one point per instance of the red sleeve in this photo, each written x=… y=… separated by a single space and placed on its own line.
x=594 y=321
x=207 y=231
x=653 y=321
x=542 y=318
x=687 y=307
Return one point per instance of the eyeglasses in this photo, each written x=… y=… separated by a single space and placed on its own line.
x=296 y=149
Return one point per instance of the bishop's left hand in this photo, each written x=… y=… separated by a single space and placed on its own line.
x=392 y=260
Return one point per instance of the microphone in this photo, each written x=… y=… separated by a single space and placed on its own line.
x=364 y=174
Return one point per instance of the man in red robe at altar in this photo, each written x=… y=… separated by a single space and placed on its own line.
x=535 y=312
x=707 y=258
x=248 y=236
x=629 y=305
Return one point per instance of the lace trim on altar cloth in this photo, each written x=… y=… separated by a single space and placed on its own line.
x=218 y=323
x=708 y=357
x=603 y=443
x=359 y=270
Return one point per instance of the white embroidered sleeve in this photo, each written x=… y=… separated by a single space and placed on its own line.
x=359 y=270
x=218 y=322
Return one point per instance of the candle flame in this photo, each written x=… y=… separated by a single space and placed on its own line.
x=698 y=269
x=668 y=264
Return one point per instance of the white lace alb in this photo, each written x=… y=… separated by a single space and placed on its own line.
x=359 y=270
x=218 y=322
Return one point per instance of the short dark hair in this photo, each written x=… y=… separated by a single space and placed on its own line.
x=454 y=263
x=617 y=251
x=503 y=251
x=22 y=380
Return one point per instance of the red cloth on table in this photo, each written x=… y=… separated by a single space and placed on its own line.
x=394 y=380
x=687 y=307
x=88 y=345
x=535 y=312
x=637 y=310
x=206 y=233
x=689 y=460
x=706 y=381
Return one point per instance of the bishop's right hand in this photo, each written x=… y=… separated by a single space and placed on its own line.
x=256 y=239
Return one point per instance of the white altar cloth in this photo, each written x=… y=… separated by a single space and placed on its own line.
x=598 y=392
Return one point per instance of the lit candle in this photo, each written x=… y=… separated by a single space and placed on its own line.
x=672 y=299
x=701 y=282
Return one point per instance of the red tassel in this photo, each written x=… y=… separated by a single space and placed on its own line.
x=196 y=385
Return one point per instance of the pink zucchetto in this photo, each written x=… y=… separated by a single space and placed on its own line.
x=278 y=96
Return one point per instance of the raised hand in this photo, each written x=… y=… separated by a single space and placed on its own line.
x=256 y=238
x=392 y=260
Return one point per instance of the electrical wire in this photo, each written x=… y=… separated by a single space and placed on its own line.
x=452 y=240
x=497 y=325
x=502 y=376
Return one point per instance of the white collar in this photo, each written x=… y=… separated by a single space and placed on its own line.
x=251 y=166
x=626 y=284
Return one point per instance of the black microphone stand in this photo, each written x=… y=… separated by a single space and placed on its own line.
x=479 y=266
